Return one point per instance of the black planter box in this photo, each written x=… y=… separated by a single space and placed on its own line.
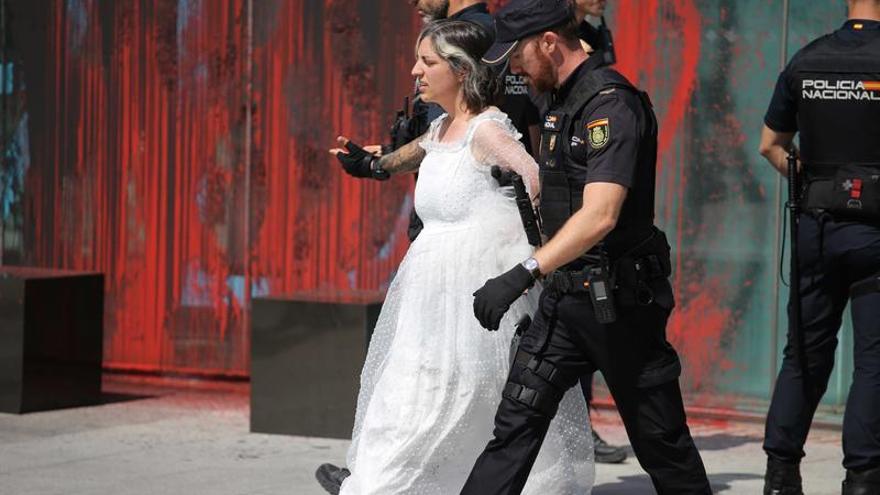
x=307 y=351
x=51 y=338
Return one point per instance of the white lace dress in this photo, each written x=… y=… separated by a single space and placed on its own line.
x=433 y=376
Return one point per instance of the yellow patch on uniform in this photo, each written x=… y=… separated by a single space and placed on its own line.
x=858 y=26
x=598 y=133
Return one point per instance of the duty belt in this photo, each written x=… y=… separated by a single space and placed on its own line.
x=851 y=191
x=564 y=281
x=568 y=282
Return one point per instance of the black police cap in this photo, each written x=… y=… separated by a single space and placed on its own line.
x=522 y=18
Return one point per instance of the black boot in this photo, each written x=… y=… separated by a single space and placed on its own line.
x=606 y=453
x=330 y=477
x=782 y=478
x=862 y=482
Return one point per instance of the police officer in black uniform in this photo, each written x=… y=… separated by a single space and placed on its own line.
x=830 y=94
x=606 y=297
x=597 y=41
x=597 y=36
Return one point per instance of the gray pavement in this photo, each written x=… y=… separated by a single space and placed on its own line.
x=153 y=439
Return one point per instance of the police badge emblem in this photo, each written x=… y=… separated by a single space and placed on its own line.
x=598 y=133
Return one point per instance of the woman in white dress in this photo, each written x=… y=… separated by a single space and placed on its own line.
x=433 y=377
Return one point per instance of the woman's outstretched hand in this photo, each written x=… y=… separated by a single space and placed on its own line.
x=357 y=161
x=373 y=149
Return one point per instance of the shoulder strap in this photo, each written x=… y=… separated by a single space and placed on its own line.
x=590 y=85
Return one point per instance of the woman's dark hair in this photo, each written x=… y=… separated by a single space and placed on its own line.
x=462 y=44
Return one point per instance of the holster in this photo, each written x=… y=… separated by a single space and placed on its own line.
x=641 y=272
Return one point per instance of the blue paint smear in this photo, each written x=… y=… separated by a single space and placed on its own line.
x=406 y=207
x=186 y=10
x=78 y=23
x=7 y=78
x=259 y=287
x=197 y=289
x=16 y=160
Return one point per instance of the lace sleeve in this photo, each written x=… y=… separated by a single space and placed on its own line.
x=494 y=143
x=430 y=137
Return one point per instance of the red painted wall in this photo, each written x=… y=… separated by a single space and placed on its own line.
x=180 y=148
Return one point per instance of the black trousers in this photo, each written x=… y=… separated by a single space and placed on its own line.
x=641 y=370
x=415 y=223
x=833 y=255
x=415 y=226
x=587 y=388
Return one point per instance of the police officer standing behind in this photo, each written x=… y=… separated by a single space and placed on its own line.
x=606 y=297
x=830 y=94
x=597 y=37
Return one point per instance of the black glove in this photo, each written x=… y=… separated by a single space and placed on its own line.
x=494 y=298
x=359 y=163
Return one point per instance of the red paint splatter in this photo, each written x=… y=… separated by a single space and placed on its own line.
x=183 y=154
x=658 y=47
x=178 y=162
x=642 y=30
x=695 y=329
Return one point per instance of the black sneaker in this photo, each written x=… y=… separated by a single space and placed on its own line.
x=782 y=478
x=606 y=453
x=330 y=477
x=863 y=482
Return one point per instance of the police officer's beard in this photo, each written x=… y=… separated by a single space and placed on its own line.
x=543 y=82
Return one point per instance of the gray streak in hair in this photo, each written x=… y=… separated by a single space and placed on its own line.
x=461 y=44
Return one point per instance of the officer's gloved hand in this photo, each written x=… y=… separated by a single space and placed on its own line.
x=494 y=298
x=504 y=177
x=356 y=161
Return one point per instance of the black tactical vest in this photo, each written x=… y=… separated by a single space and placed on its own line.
x=837 y=88
x=563 y=177
x=837 y=85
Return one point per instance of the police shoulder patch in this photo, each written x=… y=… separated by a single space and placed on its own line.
x=598 y=133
